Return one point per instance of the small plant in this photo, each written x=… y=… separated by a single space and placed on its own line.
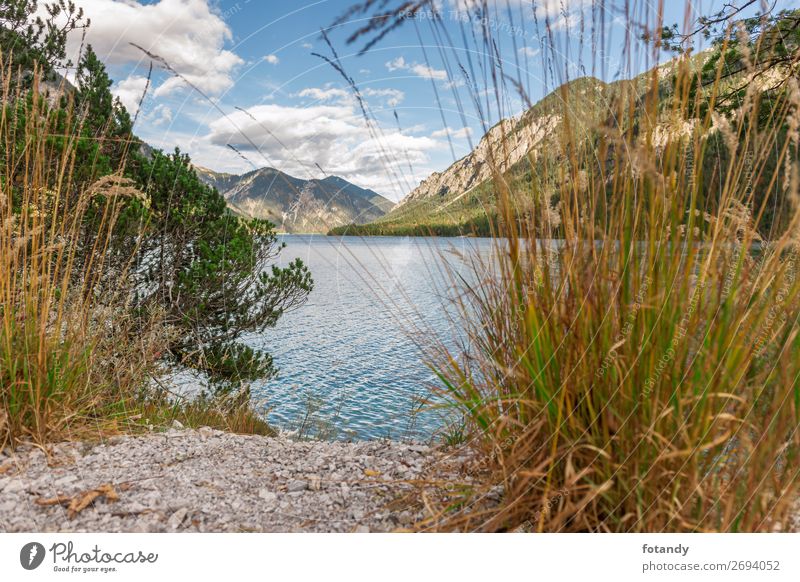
x=454 y=434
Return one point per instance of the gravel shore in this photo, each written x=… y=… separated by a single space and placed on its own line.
x=208 y=480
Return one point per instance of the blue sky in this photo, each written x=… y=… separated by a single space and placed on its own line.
x=252 y=60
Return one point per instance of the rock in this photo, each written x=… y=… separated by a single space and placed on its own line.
x=177 y=425
x=176 y=519
x=517 y=141
x=495 y=493
x=13 y=485
x=64 y=481
x=297 y=485
x=267 y=496
x=358 y=514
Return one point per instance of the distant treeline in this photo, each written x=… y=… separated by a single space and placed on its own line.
x=482 y=226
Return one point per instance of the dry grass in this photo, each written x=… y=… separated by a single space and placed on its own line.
x=68 y=362
x=640 y=374
x=75 y=360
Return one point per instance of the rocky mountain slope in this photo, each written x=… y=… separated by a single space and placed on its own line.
x=296 y=205
x=461 y=197
x=525 y=148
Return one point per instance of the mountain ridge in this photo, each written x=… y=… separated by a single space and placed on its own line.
x=460 y=199
x=296 y=205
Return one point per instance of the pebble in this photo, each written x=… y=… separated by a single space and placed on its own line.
x=211 y=481
x=297 y=485
x=176 y=519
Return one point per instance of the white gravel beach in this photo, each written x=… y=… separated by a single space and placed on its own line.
x=208 y=480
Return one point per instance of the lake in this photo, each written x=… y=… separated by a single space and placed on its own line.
x=350 y=367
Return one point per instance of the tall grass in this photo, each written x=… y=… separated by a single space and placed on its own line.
x=641 y=372
x=76 y=359
x=69 y=362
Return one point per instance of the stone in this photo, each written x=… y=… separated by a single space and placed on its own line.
x=267 y=496
x=176 y=519
x=297 y=485
x=211 y=481
x=64 y=481
x=13 y=485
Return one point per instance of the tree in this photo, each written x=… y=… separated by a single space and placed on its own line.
x=208 y=269
x=763 y=49
x=36 y=41
x=103 y=116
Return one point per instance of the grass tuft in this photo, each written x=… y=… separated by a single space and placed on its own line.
x=632 y=362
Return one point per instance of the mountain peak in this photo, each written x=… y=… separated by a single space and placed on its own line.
x=297 y=205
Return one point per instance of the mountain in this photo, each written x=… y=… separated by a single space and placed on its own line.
x=461 y=198
x=525 y=149
x=296 y=205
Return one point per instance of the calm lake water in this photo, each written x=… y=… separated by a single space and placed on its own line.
x=349 y=365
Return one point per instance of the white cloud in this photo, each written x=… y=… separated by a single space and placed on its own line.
x=272 y=59
x=161 y=115
x=397 y=64
x=561 y=14
x=327 y=94
x=549 y=8
x=307 y=45
x=296 y=139
x=462 y=133
x=428 y=72
x=187 y=33
x=130 y=91
x=393 y=96
x=528 y=51
x=420 y=70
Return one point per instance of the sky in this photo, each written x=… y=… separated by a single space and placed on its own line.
x=256 y=95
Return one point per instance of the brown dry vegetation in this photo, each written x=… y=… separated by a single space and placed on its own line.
x=640 y=374
x=76 y=361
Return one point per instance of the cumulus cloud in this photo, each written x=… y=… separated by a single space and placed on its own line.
x=393 y=96
x=418 y=69
x=130 y=91
x=161 y=115
x=326 y=94
x=462 y=133
x=187 y=33
x=549 y=8
x=272 y=59
x=561 y=14
x=528 y=51
x=296 y=139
